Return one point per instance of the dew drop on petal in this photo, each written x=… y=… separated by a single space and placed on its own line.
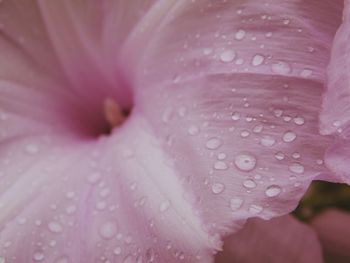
x=236 y=203
x=108 y=230
x=117 y=251
x=55 y=227
x=213 y=143
x=257 y=60
x=296 y=168
x=267 y=141
x=227 y=56
x=305 y=73
x=193 y=130
x=289 y=136
x=240 y=34
x=281 y=68
x=273 y=190
x=279 y=156
x=245 y=162
x=207 y=51
x=217 y=188
x=258 y=128
x=250 y=184
x=222 y=156
x=245 y=134
x=299 y=120
x=236 y=116
x=220 y=165
x=38 y=256
x=255 y=209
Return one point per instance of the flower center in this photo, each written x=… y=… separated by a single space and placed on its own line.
x=114 y=115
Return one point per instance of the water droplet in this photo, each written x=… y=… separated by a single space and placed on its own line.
x=217 y=188
x=299 y=120
x=267 y=141
x=32 y=149
x=38 y=256
x=286 y=21
x=164 y=206
x=245 y=162
x=236 y=203
x=255 y=209
x=117 y=251
x=296 y=155
x=227 y=56
x=240 y=34
x=257 y=60
x=220 y=165
x=296 y=168
x=258 y=128
x=305 y=73
x=289 y=136
x=273 y=190
x=236 y=116
x=281 y=68
x=108 y=230
x=245 y=134
x=55 y=227
x=278 y=113
x=250 y=184
x=71 y=209
x=207 y=51
x=279 y=156
x=213 y=143
x=222 y=156
x=193 y=130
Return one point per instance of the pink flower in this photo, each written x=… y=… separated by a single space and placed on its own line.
x=223 y=98
x=284 y=239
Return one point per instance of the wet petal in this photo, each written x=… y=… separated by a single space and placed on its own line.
x=332 y=228
x=236 y=106
x=336 y=104
x=100 y=200
x=282 y=239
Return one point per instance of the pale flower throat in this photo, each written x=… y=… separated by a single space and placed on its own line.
x=113 y=113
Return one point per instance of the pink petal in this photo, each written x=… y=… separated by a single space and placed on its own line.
x=169 y=180
x=282 y=239
x=112 y=199
x=333 y=229
x=336 y=104
x=236 y=105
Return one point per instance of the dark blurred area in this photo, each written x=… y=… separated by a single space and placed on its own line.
x=321 y=196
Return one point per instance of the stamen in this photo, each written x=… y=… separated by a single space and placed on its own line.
x=113 y=113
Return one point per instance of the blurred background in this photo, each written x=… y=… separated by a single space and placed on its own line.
x=317 y=231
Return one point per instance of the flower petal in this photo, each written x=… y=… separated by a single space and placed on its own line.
x=87 y=36
x=336 y=104
x=282 y=239
x=236 y=106
x=113 y=199
x=332 y=227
